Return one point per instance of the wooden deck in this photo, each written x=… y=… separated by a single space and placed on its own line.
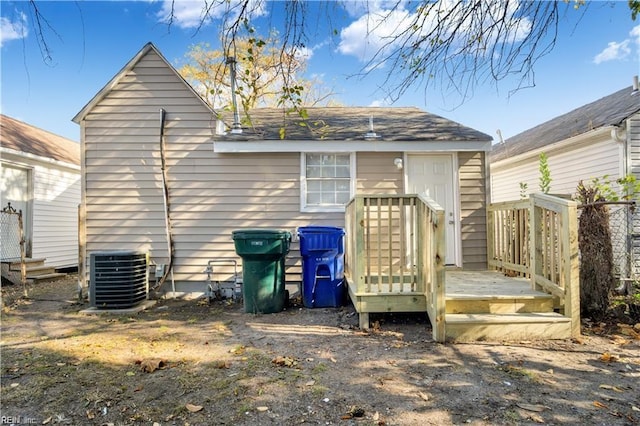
x=394 y=254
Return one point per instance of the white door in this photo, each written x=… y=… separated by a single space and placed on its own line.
x=432 y=174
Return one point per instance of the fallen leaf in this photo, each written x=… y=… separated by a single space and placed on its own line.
x=423 y=395
x=151 y=365
x=222 y=364
x=333 y=360
x=619 y=340
x=600 y=405
x=531 y=407
x=47 y=420
x=607 y=357
x=310 y=383
x=91 y=415
x=130 y=373
x=536 y=418
x=284 y=361
x=634 y=408
x=610 y=387
x=193 y=408
x=262 y=408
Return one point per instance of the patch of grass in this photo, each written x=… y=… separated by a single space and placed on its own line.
x=319 y=391
x=319 y=368
x=511 y=416
x=519 y=372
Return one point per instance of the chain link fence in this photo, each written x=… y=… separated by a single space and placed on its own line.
x=624 y=220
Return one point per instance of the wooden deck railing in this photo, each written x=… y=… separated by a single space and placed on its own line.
x=395 y=246
x=538 y=238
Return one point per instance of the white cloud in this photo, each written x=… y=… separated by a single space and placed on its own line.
x=613 y=51
x=303 y=52
x=13 y=30
x=188 y=14
x=616 y=51
x=372 y=32
x=380 y=30
x=379 y=103
x=635 y=34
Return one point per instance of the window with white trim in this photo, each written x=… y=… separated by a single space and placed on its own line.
x=327 y=181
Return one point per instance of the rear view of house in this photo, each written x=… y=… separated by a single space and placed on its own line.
x=166 y=176
x=156 y=156
x=40 y=176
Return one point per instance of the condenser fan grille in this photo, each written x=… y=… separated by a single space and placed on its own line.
x=118 y=279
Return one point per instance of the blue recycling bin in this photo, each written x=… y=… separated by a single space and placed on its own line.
x=322 y=250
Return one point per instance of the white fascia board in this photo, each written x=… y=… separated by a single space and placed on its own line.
x=583 y=139
x=348 y=146
x=19 y=154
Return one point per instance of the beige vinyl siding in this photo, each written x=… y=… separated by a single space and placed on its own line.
x=567 y=169
x=376 y=173
x=473 y=216
x=210 y=194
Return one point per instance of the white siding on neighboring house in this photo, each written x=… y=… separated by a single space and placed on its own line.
x=52 y=198
x=567 y=168
x=56 y=196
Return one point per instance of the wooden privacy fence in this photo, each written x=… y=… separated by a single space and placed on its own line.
x=538 y=238
x=394 y=256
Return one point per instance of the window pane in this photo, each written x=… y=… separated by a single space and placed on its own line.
x=328 y=172
x=313 y=159
x=328 y=198
x=342 y=171
x=314 y=185
x=342 y=160
x=328 y=186
x=342 y=186
x=314 y=171
x=313 y=198
x=342 y=197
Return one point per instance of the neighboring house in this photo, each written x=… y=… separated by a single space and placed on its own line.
x=40 y=175
x=595 y=140
x=218 y=180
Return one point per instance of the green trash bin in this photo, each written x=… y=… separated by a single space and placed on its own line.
x=263 y=253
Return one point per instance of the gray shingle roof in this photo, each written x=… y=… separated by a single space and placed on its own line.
x=352 y=123
x=23 y=137
x=611 y=110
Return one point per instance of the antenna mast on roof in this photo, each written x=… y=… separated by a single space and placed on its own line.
x=236 y=129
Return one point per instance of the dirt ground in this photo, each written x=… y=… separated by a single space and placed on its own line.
x=188 y=362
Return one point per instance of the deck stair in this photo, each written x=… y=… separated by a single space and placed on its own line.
x=36 y=269
x=489 y=306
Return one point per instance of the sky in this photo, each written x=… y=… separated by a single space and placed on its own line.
x=597 y=52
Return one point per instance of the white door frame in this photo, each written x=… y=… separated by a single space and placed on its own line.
x=455 y=209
